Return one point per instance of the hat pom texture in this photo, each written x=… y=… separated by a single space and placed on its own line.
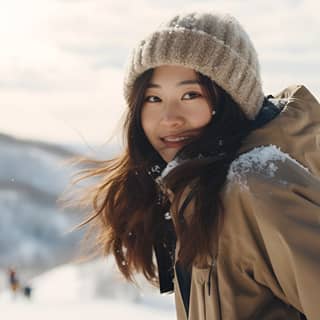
x=215 y=45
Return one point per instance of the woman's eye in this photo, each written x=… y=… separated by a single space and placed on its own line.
x=191 y=95
x=151 y=99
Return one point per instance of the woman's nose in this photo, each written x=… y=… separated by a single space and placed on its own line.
x=172 y=115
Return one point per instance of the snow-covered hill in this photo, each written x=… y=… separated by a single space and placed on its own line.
x=34 y=229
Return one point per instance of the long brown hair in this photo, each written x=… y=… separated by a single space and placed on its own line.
x=126 y=210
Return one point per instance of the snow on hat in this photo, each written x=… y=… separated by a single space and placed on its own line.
x=213 y=44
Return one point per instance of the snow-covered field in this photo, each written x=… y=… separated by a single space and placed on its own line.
x=90 y=310
x=98 y=309
x=88 y=291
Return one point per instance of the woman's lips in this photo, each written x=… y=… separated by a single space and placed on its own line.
x=176 y=141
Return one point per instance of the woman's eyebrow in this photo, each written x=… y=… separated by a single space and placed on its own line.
x=184 y=82
x=194 y=81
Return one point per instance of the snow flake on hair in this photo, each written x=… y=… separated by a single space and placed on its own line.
x=167 y=215
x=156 y=169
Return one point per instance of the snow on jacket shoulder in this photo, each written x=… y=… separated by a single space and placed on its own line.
x=296 y=130
x=269 y=249
x=268 y=264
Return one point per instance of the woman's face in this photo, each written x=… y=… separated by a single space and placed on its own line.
x=175 y=109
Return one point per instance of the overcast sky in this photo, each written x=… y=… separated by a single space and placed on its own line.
x=62 y=61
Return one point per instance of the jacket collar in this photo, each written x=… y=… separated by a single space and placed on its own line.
x=270 y=109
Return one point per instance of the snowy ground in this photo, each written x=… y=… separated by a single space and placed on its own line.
x=89 y=291
x=102 y=309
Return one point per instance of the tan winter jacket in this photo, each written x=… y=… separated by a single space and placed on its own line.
x=268 y=263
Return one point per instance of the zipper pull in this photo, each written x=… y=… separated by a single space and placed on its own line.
x=209 y=276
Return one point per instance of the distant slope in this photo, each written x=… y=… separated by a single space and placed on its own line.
x=54 y=149
x=34 y=229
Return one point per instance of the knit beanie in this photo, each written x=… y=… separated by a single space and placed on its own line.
x=213 y=44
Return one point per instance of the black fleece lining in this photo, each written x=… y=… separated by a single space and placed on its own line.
x=267 y=113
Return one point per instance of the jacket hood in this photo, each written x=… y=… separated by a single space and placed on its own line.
x=295 y=130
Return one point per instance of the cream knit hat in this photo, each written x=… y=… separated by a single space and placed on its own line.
x=214 y=44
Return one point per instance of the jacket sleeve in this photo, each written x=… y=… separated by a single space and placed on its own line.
x=285 y=210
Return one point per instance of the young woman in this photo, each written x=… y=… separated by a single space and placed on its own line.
x=217 y=194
